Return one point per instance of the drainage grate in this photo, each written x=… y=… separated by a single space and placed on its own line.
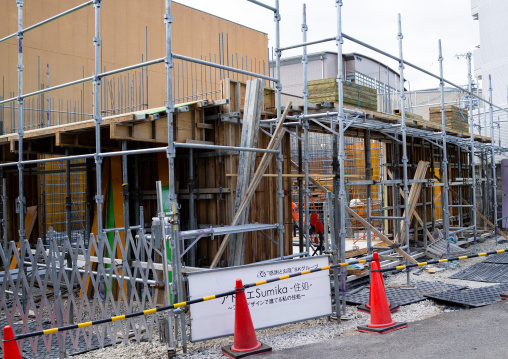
x=402 y=295
x=484 y=272
x=477 y=297
x=500 y=258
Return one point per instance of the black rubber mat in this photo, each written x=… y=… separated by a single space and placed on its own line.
x=484 y=272
x=477 y=297
x=500 y=258
x=402 y=295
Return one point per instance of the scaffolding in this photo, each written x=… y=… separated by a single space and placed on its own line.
x=342 y=184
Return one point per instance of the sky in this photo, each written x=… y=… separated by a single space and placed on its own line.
x=424 y=22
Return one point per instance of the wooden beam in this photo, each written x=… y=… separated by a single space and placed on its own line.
x=417 y=216
x=380 y=235
x=206 y=126
x=30 y=217
x=247 y=160
x=277 y=136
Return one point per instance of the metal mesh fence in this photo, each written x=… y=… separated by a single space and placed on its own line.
x=65 y=283
x=320 y=146
x=53 y=179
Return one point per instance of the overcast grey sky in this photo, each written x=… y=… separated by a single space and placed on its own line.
x=372 y=21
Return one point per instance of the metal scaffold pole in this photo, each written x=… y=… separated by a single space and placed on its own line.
x=493 y=163
x=4 y=209
x=403 y=131
x=368 y=177
x=280 y=157
x=21 y=198
x=472 y=160
x=306 y=134
x=98 y=117
x=444 y=178
x=341 y=155
x=173 y=206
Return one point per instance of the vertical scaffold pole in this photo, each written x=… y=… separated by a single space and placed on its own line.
x=192 y=222
x=368 y=177
x=493 y=164
x=21 y=197
x=171 y=153
x=68 y=197
x=306 y=133
x=125 y=190
x=4 y=210
x=342 y=154
x=280 y=157
x=444 y=178
x=404 y=142
x=472 y=160
x=98 y=117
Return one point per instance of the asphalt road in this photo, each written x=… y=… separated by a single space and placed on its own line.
x=474 y=333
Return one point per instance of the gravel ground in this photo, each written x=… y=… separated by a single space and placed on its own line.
x=311 y=331
x=287 y=336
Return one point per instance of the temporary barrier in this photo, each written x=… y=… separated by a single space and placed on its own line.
x=274 y=304
x=444 y=260
x=232 y=292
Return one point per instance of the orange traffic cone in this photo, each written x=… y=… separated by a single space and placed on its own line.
x=380 y=318
x=11 y=350
x=245 y=341
x=366 y=307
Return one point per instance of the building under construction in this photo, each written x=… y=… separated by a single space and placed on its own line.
x=165 y=149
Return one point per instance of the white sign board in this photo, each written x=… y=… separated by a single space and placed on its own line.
x=290 y=300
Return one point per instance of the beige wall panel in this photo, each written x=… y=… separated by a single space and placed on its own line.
x=67 y=46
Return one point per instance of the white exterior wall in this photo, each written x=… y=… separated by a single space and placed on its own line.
x=492 y=56
x=323 y=66
x=292 y=74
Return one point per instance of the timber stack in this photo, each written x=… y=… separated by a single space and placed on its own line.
x=455 y=117
x=409 y=115
x=354 y=95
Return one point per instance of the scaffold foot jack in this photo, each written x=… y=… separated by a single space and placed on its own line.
x=245 y=341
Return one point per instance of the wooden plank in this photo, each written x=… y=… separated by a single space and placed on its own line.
x=95 y=223
x=116 y=182
x=30 y=217
x=206 y=126
x=247 y=160
x=414 y=195
x=161 y=129
x=364 y=222
x=200 y=142
x=277 y=136
x=417 y=216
